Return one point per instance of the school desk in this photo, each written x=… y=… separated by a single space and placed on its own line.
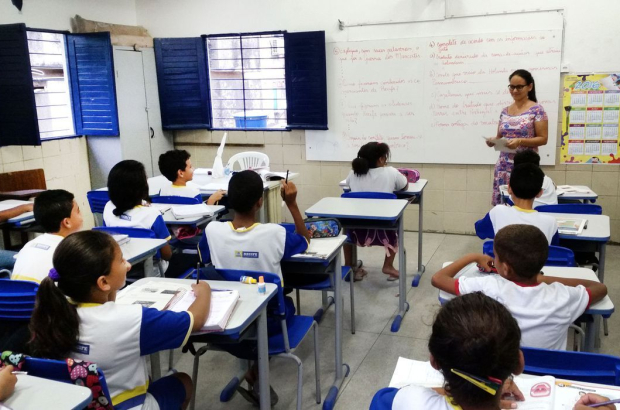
x=23 y=223
x=170 y=219
x=414 y=194
x=143 y=249
x=37 y=393
x=250 y=309
x=567 y=197
x=331 y=264
x=603 y=308
x=385 y=214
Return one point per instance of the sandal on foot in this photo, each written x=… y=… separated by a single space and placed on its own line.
x=359 y=274
x=392 y=278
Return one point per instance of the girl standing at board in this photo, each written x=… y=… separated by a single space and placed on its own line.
x=523 y=123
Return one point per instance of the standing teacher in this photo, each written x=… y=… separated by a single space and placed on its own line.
x=523 y=123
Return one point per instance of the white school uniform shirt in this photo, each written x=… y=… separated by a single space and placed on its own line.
x=543 y=311
x=502 y=215
x=119 y=337
x=413 y=397
x=176 y=190
x=549 y=195
x=139 y=217
x=382 y=179
x=261 y=247
x=34 y=261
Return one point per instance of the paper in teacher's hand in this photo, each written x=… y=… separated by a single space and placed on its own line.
x=500 y=144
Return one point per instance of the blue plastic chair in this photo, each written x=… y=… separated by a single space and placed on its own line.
x=280 y=345
x=17 y=298
x=178 y=200
x=383 y=399
x=57 y=370
x=578 y=366
x=558 y=256
x=586 y=209
x=369 y=195
x=97 y=201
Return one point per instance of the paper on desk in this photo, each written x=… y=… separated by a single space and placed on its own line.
x=415 y=372
x=500 y=144
x=320 y=248
x=222 y=305
x=152 y=294
x=162 y=208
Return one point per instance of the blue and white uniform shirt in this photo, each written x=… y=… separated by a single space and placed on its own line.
x=34 y=261
x=184 y=191
x=260 y=247
x=502 y=215
x=139 y=217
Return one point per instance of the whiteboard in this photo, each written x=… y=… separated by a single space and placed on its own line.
x=431 y=99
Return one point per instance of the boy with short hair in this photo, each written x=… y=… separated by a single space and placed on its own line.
x=176 y=166
x=544 y=306
x=525 y=186
x=548 y=196
x=59 y=214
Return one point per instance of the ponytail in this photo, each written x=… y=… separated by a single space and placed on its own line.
x=79 y=261
x=368 y=156
x=527 y=76
x=55 y=324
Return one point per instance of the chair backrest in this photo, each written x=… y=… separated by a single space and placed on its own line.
x=383 y=399
x=17 y=298
x=179 y=200
x=587 y=209
x=57 y=370
x=22 y=180
x=369 y=195
x=97 y=200
x=249 y=160
x=578 y=366
x=131 y=232
x=558 y=256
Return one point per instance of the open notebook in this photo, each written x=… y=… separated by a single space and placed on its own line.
x=541 y=393
x=571 y=226
x=179 y=297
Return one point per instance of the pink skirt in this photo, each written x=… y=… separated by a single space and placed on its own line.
x=375 y=237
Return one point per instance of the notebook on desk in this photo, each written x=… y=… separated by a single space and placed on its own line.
x=320 y=248
x=541 y=392
x=565 y=189
x=192 y=211
x=571 y=226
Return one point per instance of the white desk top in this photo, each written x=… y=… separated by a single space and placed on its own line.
x=12 y=203
x=358 y=208
x=209 y=185
x=602 y=307
x=137 y=248
x=170 y=219
x=37 y=393
x=320 y=250
x=565 y=195
x=598 y=229
x=247 y=308
x=412 y=189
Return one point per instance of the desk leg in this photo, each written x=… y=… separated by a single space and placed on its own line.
x=421 y=268
x=601 y=261
x=403 y=306
x=591 y=334
x=263 y=361
x=342 y=369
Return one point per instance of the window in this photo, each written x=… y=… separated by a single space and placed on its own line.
x=247 y=81
x=48 y=62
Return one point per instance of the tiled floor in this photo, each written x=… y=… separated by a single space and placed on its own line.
x=373 y=351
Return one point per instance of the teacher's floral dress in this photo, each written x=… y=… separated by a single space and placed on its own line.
x=514 y=126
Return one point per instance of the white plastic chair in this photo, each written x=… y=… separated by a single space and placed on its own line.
x=249 y=160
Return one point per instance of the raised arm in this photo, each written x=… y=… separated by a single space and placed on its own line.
x=289 y=194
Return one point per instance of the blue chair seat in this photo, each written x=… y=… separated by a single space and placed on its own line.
x=383 y=399
x=298 y=327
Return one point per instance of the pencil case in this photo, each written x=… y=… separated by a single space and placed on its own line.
x=412 y=175
x=323 y=227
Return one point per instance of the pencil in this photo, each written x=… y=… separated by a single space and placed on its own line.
x=198 y=273
x=286 y=180
x=604 y=403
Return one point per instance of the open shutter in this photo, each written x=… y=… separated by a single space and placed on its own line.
x=306 y=80
x=18 y=112
x=93 y=92
x=183 y=83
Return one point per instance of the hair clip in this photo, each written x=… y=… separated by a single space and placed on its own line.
x=53 y=275
x=490 y=385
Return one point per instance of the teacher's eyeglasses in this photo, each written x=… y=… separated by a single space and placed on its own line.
x=516 y=87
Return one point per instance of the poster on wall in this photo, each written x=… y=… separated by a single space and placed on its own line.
x=590 y=119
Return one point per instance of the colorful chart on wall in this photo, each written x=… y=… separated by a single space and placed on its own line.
x=590 y=119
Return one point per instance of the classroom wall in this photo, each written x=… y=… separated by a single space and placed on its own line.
x=457 y=195
x=65 y=162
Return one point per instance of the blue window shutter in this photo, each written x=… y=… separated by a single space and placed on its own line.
x=306 y=80
x=183 y=82
x=91 y=72
x=18 y=112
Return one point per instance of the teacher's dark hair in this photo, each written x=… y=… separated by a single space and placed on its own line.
x=528 y=80
x=368 y=156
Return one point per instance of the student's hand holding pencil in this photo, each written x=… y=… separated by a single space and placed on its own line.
x=510 y=395
x=590 y=399
x=485 y=262
x=288 y=192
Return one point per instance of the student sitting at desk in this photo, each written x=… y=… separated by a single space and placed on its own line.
x=548 y=196
x=370 y=173
x=543 y=305
x=176 y=166
x=75 y=316
x=59 y=214
x=525 y=186
x=244 y=244
x=7 y=258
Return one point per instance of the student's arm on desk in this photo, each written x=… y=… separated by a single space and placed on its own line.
x=7 y=382
x=444 y=278
x=597 y=290
x=591 y=398
x=216 y=197
x=289 y=195
x=13 y=212
x=200 y=307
